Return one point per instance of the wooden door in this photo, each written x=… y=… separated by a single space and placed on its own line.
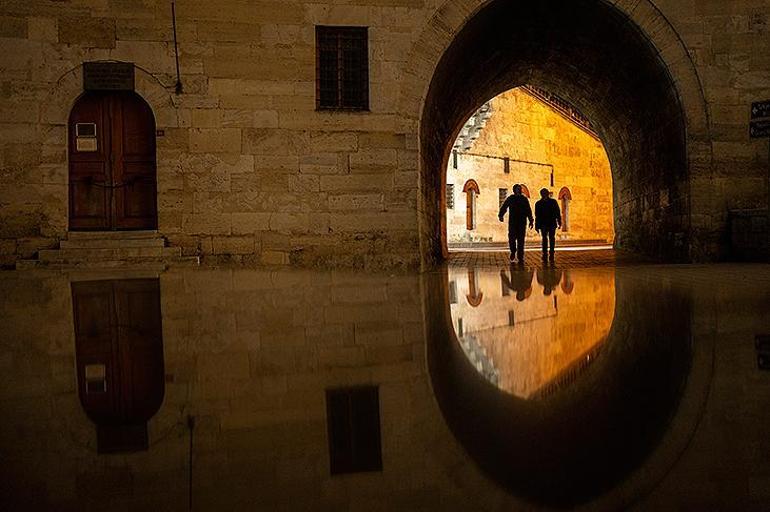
x=119 y=351
x=112 y=163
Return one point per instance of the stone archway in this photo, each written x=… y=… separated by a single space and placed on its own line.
x=641 y=89
x=54 y=116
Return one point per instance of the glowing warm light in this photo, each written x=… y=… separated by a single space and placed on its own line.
x=533 y=332
x=521 y=137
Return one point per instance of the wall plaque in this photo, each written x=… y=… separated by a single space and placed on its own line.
x=108 y=76
x=86 y=144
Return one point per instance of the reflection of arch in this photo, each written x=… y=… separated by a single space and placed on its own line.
x=475 y=295
x=565 y=197
x=471 y=189
x=525 y=191
x=671 y=115
x=631 y=420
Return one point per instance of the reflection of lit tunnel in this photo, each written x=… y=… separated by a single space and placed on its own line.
x=534 y=343
x=581 y=440
x=589 y=53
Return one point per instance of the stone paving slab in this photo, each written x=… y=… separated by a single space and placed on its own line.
x=570 y=259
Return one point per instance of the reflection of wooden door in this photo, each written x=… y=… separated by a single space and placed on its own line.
x=112 y=163
x=119 y=348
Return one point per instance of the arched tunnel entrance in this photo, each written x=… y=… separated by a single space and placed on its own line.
x=591 y=54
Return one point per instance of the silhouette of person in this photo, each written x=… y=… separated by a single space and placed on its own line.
x=549 y=278
x=519 y=212
x=520 y=282
x=547 y=219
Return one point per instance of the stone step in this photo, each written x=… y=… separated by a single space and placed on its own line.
x=111 y=243
x=155 y=264
x=112 y=235
x=104 y=254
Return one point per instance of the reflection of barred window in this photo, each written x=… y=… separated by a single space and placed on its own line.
x=342 y=80
x=353 y=426
x=450 y=196
x=502 y=195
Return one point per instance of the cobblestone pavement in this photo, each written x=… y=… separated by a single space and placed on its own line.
x=570 y=259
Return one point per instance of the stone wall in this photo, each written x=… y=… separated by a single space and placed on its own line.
x=522 y=127
x=247 y=167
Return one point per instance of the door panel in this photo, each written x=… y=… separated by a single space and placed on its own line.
x=89 y=198
x=119 y=338
x=113 y=177
x=135 y=192
x=136 y=199
x=141 y=345
x=94 y=309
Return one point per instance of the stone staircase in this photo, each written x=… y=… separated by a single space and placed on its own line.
x=109 y=249
x=472 y=128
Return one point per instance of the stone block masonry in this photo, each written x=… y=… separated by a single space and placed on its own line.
x=248 y=169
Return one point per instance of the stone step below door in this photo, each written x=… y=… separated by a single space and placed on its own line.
x=102 y=254
x=111 y=243
x=112 y=235
x=110 y=249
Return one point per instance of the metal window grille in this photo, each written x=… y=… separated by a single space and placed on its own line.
x=502 y=196
x=342 y=68
x=450 y=196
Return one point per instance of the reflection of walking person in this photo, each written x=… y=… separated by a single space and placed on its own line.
x=519 y=212
x=549 y=278
x=547 y=219
x=520 y=282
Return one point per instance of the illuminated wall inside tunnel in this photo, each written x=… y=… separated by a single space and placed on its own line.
x=521 y=127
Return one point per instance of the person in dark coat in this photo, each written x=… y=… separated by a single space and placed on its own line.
x=547 y=220
x=519 y=212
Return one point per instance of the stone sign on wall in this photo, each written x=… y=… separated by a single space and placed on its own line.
x=108 y=76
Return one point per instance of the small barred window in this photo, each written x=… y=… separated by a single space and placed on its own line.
x=342 y=68
x=450 y=196
x=502 y=196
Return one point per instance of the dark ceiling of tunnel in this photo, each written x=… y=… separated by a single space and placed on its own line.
x=594 y=57
x=584 y=439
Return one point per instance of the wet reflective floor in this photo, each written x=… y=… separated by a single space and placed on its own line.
x=479 y=387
